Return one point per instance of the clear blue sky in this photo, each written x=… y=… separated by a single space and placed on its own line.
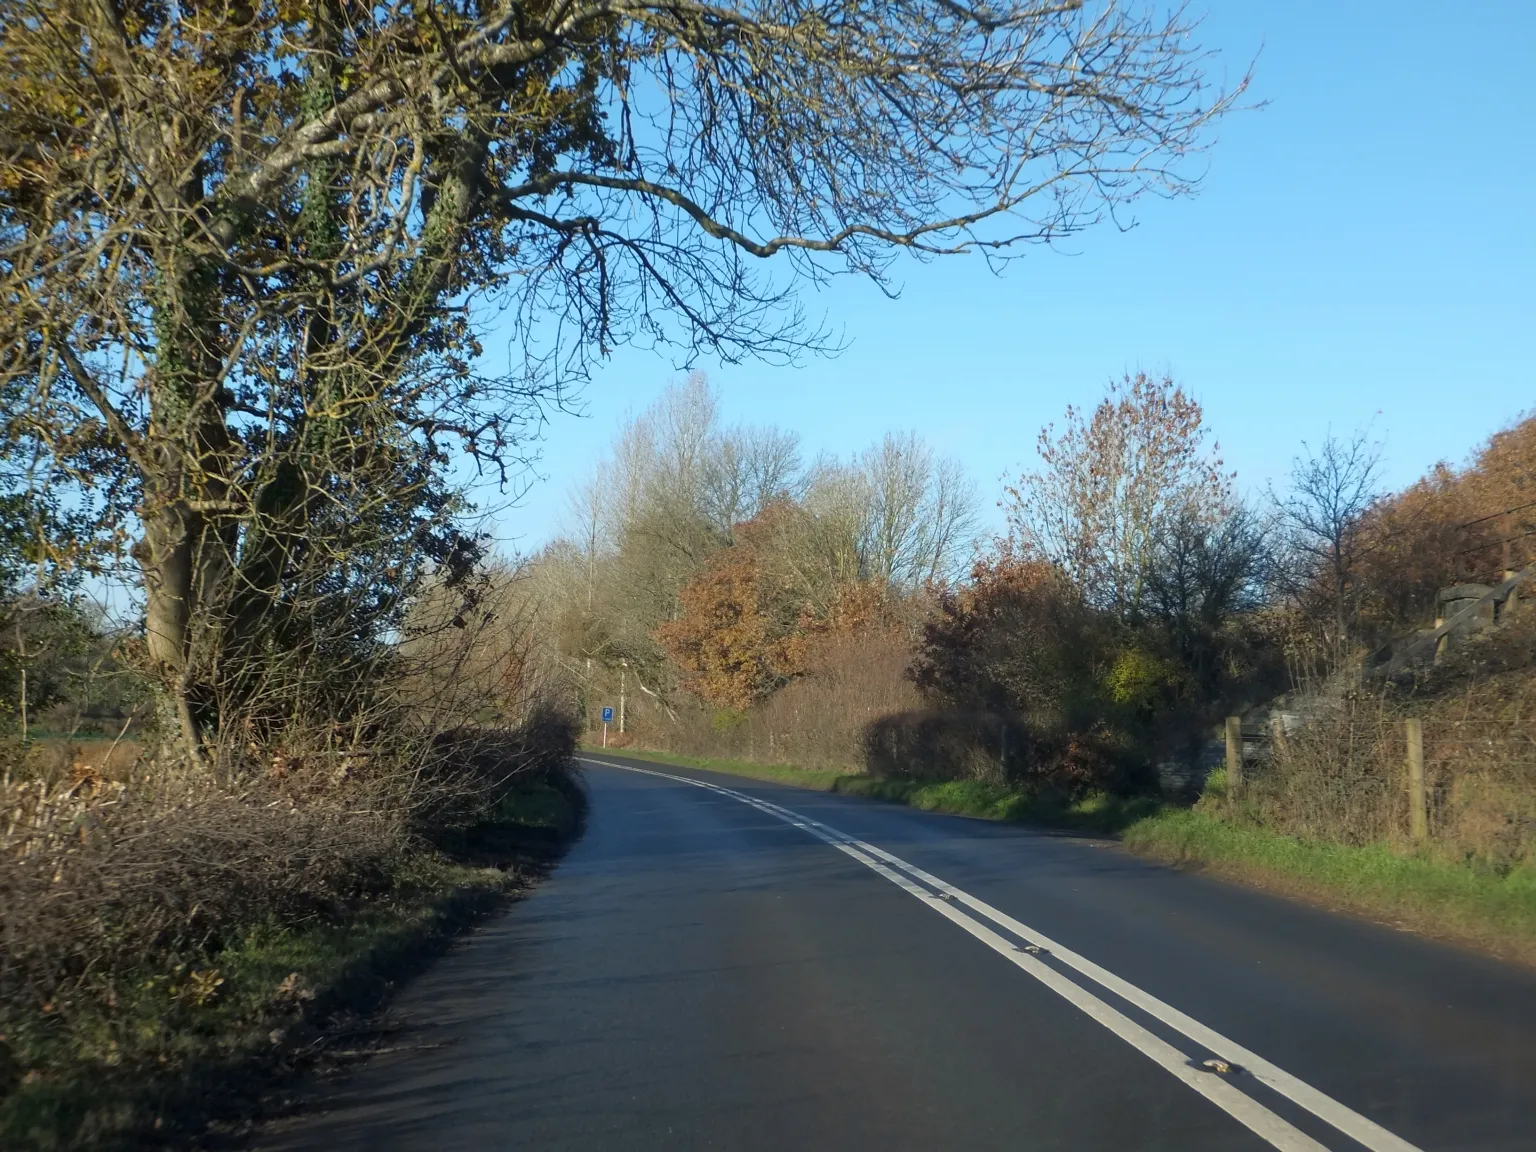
x=1363 y=249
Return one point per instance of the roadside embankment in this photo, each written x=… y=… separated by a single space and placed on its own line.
x=1489 y=910
x=1098 y=812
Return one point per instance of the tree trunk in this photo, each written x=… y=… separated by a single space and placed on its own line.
x=172 y=556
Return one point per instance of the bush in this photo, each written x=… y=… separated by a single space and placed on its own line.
x=939 y=745
x=1341 y=778
x=106 y=884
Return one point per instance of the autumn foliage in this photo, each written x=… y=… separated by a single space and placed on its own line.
x=745 y=629
x=1112 y=483
x=1009 y=640
x=733 y=639
x=1453 y=526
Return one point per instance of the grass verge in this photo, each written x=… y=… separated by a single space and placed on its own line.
x=1100 y=813
x=817 y=779
x=1104 y=814
x=189 y=1052
x=1495 y=913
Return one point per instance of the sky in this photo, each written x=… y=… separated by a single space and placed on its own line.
x=1361 y=252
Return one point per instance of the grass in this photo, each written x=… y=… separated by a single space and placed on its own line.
x=543 y=807
x=816 y=779
x=1434 y=897
x=1099 y=813
x=184 y=1050
x=178 y=1041
x=54 y=754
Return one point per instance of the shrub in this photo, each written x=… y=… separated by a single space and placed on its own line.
x=1341 y=777
x=105 y=883
x=945 y=744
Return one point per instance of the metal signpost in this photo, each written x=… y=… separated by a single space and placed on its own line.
x=607 y=720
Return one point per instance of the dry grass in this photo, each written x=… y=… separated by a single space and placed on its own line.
x=96 y=874
x=57 y=758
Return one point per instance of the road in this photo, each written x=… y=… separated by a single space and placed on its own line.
x=728 y=964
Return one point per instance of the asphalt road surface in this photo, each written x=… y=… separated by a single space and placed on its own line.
x=727 y=964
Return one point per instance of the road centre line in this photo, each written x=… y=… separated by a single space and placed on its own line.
x=1221 y=1092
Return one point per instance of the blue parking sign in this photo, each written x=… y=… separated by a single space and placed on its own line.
x=607 y=715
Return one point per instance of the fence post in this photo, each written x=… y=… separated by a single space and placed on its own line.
x=1277 y=735
x=1418 y=803
x=1234 y=759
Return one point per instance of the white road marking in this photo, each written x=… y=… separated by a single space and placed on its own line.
x=942 y=899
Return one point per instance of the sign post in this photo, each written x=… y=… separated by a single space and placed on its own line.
x=607 y=720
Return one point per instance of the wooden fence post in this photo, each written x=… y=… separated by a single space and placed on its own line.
x=1234 y=759
x=1418 y=802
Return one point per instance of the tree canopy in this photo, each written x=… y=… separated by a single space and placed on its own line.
x=248 y=248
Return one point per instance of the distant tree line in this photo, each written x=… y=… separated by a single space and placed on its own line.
x=1133 y=599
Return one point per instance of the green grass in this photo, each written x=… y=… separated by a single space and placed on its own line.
x=175 y=1040
x=543 y=807
x=1419 y=892
x=170 y=1051
x=1097 y=813
x=817 y=779
x=1434 y=897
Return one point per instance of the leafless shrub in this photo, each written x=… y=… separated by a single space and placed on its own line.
x=100 y=878
x=938 y=745
x=314 y=797
x=1339 y=778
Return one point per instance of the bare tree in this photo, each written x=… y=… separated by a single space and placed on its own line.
x=951 y=520
x=919 y=515
x=1203 y=575
x=830 y=550
x=1331 y=492
x=748 y=469
x=626 y=478
x=644 y=525
x=895 y=473
x=1112 y=483
x=686 y=422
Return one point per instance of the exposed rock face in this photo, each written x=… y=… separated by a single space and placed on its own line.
x=1183 y=777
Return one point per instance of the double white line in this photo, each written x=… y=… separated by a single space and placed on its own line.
x=1028 y=950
